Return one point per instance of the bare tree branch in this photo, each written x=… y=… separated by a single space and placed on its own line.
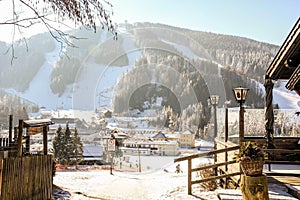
x=86 y=13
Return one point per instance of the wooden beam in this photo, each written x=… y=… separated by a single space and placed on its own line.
x=205 y=154
x=37 y=122
x=278 y=151
x=45 y=139
x=20 y=137
x=189 y=177
x=282 y=174
x=213 y=165
x=279 y=162
x=10 y=129
x=277 y=68
x=294 y=80
x=27 y=147
x=216 y=177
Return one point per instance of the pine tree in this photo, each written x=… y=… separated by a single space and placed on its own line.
x=77 y=148
x=67 y=148
x=58 y=145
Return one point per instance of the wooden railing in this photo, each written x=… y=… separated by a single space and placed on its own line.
x=27 y=177
x=7 y=148
x=288 y=161
x=212 y=166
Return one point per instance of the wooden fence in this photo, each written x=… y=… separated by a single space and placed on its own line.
x=214 y=166
x=7 y=148
x=25 y=178
x=226 y=157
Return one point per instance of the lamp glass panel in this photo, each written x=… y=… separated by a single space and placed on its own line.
x=240 y=94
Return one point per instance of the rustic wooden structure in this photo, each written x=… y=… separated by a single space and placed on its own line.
x=34 y=127
x=229 y=169
x=286 y=64
x=25 y=176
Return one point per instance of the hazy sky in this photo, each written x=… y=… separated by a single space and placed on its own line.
x=263 y=20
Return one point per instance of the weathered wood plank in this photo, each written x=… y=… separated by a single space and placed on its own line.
x=296 y=151
x=215 y=177
x=190 y=176
x=20 y=135
x=205 y=154
x=213 y=165
x=282 y=162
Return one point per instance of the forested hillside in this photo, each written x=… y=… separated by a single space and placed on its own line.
x=242 y=60
x=245 y=56
x=19 y=65
x=181 y=62
x=184 y=67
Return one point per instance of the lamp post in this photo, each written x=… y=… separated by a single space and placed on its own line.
x=139 y=158
x=240 y=96
x=226 y=120
x=214 y=100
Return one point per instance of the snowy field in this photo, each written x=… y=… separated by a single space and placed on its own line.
x=156 y=181
x=160 y=183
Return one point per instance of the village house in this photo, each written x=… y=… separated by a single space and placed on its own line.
x=150 y=147
x=187 y=139
x=158 y=144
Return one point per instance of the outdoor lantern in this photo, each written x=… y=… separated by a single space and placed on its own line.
x=240 y=94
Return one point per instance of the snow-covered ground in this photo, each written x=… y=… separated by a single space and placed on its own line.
x=161 y=183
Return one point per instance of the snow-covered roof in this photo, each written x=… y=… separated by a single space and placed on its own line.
x=160 y=135
x=187 y=132
x=37 y=122
x=92 y=151
x=149 y=142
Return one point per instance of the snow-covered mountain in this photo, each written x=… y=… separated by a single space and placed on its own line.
x=94 y=85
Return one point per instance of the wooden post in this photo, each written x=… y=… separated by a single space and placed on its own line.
x=226 y=124
x=226 y=166
x=45 y=140
x=27 y=148
x=15 y=134
x=111 y=163
x=241 y=125
x=215 y=159
x=10 y=129
x=20 y=138
x=254 y=187
x=140 y=169
x=189 y=176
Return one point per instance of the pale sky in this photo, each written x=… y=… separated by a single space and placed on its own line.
x=263 y=20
